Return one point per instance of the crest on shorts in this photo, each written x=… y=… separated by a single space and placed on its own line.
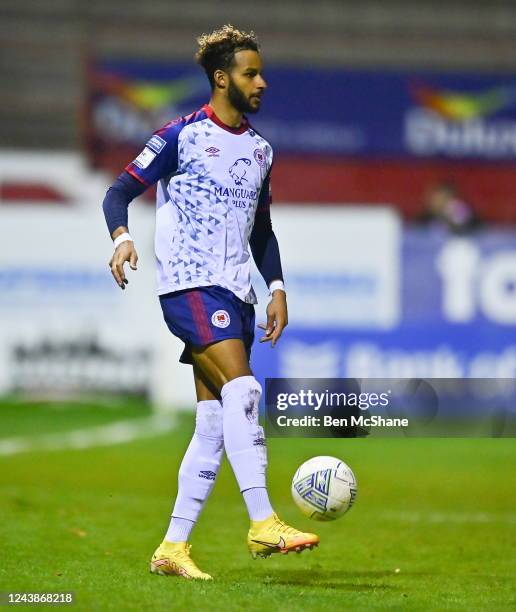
x=220 y=318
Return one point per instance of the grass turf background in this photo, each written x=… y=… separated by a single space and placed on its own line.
x=434 y=525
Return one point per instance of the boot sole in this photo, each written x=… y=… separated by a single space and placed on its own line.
x=298 y=548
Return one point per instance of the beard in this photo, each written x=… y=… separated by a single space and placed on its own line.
x=239 y=101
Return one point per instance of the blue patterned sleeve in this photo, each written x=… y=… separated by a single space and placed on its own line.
x=159 y=157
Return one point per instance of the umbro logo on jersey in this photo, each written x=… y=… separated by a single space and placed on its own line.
x=212 y=151
x=208 y=474
x=220 y=318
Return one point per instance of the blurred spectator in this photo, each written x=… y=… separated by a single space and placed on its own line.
x=443 y=207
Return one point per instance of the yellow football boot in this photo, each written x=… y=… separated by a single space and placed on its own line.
x=273 y=536
x=173 y=559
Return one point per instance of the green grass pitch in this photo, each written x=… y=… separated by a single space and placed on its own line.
x=433 y=528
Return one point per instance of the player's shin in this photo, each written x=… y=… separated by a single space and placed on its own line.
x=244 y=441
x=198 y=470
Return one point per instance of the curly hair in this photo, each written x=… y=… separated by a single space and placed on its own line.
x=217 y=50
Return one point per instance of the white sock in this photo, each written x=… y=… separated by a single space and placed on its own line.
x=198 y=470
x=258 y=504
x=179 y=530
x=244 y=439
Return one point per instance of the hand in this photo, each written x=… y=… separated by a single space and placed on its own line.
x=277 y=317
x=124 y=252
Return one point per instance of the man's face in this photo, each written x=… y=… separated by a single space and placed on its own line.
x=246 y=84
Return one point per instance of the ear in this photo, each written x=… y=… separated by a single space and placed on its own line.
x=221 y=79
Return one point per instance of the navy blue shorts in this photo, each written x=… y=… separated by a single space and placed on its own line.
x=205 y=315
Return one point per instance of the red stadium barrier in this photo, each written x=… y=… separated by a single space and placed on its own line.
x=488 y=188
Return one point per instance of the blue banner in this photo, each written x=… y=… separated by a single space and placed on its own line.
x=458 y=319
x=359 y=113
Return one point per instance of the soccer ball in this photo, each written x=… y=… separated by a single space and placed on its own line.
x=324 y=488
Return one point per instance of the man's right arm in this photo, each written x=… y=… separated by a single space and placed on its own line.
x=118 y=197
x=159 y=158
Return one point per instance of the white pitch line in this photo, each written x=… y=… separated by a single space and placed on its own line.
x=102 y=435
x=449 y=517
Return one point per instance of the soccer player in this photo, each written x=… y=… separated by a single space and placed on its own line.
x=212 y=171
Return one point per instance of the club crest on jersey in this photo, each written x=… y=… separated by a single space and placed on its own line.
x=237 y=171
x=220 y=318
x=259 y=156
x=212 y=151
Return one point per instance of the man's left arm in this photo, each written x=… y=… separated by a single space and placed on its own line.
x=265 y=250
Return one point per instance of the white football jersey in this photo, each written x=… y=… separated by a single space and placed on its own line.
x=212 y=178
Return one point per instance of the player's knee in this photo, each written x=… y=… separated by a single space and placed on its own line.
x=208 y=419
x=242 y=393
